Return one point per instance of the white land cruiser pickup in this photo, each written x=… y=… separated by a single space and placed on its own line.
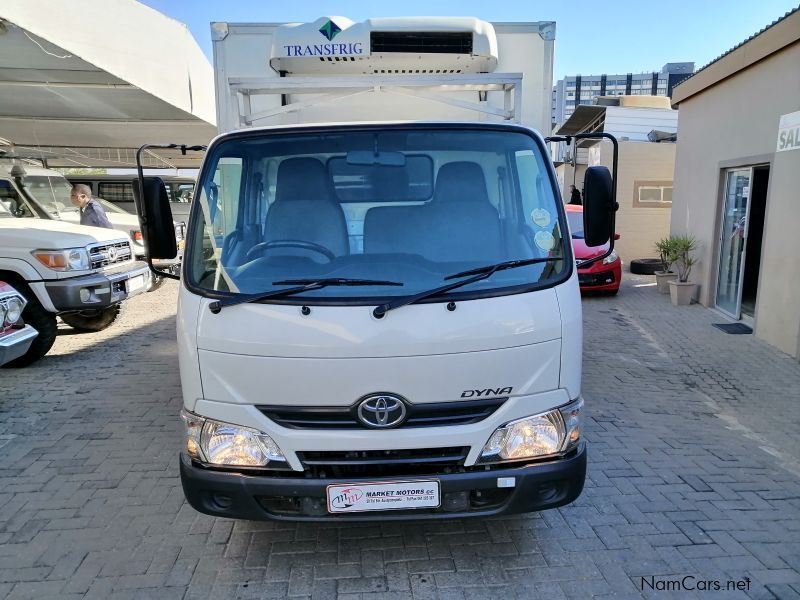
x=35 y=192
x=79 y=273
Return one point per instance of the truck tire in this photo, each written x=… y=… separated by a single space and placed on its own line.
x=646 y=266
x=92 y=320
x=44 y=322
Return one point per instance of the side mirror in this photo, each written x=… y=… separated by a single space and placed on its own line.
x=598 y=206
x=155 y=216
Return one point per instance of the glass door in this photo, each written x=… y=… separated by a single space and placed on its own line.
x=733 y=236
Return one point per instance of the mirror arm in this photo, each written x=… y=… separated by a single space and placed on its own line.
x=141 y=211
x=614 y=204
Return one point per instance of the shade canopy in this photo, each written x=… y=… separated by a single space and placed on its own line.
x=83 y=84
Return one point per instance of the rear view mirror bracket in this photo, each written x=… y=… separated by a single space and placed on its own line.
x=148 y=221
x=612 y=205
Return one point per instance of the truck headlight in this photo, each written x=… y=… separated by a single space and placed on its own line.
x=71 y=259
x=219 y=443
x=613 y=257
x=14 y=307
x=547 y=434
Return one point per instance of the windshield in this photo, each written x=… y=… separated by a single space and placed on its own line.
x=405 y=205
x=575 y=219
x=51 y=192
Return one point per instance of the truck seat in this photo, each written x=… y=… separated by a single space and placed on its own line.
x=306 y=209
x=458 y=225
x=462 y=217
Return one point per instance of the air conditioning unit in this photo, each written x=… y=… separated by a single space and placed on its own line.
x=410 y=45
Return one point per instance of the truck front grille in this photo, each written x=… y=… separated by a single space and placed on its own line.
x=383 y=463
x=436 y=414
x=109 y=254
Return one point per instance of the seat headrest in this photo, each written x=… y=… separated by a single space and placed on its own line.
x=303 y=178
x=461 y=181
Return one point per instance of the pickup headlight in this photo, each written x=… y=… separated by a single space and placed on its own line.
x=225 y=444
x=551 y=433
x=611 y=258
x=13 y=310
x=71 y=259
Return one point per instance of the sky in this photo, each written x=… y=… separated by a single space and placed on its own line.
x=592 y=37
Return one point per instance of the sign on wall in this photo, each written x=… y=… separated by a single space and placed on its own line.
x=789 y=132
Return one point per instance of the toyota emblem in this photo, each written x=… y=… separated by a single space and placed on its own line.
x=111 y=253
x=382 y=411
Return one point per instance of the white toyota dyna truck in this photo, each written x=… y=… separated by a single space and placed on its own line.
x=380 y=320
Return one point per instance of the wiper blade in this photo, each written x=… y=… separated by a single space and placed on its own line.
x=509 y=264
x=300 y=285
x=477 y=275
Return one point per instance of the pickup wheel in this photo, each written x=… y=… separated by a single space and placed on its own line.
x=44 y=322
x=92 y=320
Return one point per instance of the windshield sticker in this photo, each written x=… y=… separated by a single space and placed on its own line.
x=541 y=217
x=545 y=240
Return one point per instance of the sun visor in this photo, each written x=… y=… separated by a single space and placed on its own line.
x=411 y=45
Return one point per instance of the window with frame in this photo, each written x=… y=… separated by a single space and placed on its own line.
x=652 y=194
x=115 y=191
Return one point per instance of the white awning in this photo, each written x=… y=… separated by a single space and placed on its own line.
x=87 y=82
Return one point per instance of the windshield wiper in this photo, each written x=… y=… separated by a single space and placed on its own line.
x=478 y=274
x=300 y=285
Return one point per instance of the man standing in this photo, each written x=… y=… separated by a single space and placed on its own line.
x=574 y=195
x=91 y=210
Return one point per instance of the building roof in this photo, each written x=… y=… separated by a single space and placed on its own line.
x=585 y=118
x=772 y=38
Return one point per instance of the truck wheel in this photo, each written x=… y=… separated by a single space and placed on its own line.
x=44 y=322
x=92 y=320
x=645 y=266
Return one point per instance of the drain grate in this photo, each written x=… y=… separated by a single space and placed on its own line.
x=733 y=328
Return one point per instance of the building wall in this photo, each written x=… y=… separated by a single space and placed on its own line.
x=735 y=123
x=639 y=227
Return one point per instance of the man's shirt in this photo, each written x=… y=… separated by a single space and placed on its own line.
x=93 y=214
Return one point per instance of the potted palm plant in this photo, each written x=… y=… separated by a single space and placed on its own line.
x=664 y=247
x=682 y=290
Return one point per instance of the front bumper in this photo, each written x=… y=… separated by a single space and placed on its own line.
x=474 y=493
x=16 y=343
x=601 y=278
x=101 y=289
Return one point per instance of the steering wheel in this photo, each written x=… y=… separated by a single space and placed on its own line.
x=264 y=246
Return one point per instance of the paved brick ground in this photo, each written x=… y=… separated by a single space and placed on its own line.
x=694 y=471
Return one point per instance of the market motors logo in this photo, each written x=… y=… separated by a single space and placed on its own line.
x=347 y=498
x=330 y=30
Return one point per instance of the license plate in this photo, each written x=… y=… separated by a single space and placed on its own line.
x=135 y=283
x=396 y=495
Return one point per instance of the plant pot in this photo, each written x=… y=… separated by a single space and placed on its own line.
x=662 y=280
x=681 y=292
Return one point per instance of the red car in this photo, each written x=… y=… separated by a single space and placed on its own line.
x=602 y=276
